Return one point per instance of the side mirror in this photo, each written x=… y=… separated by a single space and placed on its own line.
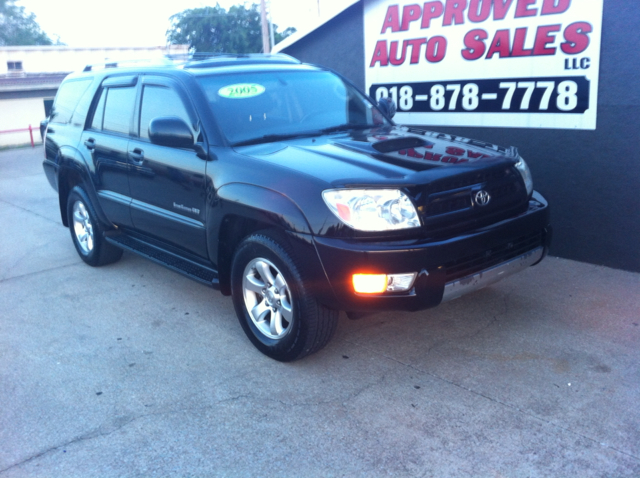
x=170 y=131
x=387 y=106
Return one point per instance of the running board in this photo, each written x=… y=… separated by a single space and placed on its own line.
x=193 y=270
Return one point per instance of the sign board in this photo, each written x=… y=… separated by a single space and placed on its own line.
x=491 y=63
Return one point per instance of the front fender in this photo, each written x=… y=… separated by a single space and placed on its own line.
x=240 y=209
x=263 y=205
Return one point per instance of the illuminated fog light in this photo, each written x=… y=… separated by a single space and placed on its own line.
x=370 y=283
x=380 y=283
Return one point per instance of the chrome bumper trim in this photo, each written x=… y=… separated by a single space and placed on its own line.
x=473 y=282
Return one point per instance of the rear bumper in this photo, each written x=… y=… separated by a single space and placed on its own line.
x=445 y=269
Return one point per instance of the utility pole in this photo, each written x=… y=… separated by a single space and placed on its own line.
x=266 y=47
x=271 y=32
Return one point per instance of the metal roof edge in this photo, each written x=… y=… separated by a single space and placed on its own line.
x=91 y=48
x=299 y=35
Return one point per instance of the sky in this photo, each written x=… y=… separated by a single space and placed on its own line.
x=91 y=23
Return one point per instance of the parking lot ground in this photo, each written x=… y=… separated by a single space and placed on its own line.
x=132 y=370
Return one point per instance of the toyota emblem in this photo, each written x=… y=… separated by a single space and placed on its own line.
x=482 y=198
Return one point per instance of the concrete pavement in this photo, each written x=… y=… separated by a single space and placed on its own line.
x=132 y=370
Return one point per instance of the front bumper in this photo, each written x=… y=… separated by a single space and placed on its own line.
x=446 y=269
x=478 y=280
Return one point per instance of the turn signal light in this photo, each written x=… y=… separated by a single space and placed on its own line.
x=370 y=283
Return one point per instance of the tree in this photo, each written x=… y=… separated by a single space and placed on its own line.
x=213 y=29
x=17 y=27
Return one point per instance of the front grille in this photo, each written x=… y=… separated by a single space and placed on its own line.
x=461 y=201
x=503 y=190
x=447 y=205
x=504 y=252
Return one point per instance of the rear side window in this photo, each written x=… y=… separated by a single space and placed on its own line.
x=118 y=109
x=67 y=99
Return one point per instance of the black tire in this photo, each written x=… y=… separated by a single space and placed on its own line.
x=277 y=312
x=87 y=233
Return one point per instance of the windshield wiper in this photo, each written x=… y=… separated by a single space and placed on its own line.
x=269 y=138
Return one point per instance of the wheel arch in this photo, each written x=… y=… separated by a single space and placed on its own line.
x=244 y=209
x=72 y=172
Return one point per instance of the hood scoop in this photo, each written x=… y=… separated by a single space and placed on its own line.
x=385 y=145
x=396 y=144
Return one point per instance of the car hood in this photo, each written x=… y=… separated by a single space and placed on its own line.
x=392 y=155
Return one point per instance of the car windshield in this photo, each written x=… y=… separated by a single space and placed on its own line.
x=253 y=107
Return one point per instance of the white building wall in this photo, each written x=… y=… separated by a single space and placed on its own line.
x=19 y=114
x=53 y=59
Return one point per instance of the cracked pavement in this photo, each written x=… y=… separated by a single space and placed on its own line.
x=133 y=370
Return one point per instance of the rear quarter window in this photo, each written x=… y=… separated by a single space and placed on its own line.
x=67 y=99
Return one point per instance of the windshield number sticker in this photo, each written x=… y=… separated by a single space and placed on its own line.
x=241 y=90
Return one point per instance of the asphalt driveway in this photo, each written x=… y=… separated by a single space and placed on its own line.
x=132 y=370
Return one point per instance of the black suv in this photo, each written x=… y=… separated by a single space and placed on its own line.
x=284 y=186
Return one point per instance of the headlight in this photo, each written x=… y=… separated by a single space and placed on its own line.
x=372 y=209
x=522 y=167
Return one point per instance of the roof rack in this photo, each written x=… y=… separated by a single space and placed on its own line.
x=166 y=60
x=198 y=60
x=211 y=60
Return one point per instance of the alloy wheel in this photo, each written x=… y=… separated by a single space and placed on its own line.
x=267 y=298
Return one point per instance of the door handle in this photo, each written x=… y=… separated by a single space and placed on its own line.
x=137 y=155
x=90 y=144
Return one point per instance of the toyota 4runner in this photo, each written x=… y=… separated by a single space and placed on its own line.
x=282 y=185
